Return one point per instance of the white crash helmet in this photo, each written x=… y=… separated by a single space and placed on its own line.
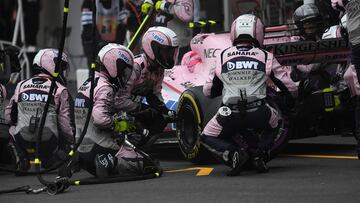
x=45 y=61
x=247 y=27
x=117 y=62
x=161 y=45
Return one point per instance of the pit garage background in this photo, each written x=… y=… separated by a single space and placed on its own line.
x=48 y=13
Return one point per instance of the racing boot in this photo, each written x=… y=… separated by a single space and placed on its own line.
x=236 y=161
x=24 y=164
x=151 y=166
x=70 y=167
x=258 y=161
x=14 y=158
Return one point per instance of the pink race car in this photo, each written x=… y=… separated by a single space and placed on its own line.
x=182 y=86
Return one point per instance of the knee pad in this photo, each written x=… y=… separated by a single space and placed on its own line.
x=105 y=165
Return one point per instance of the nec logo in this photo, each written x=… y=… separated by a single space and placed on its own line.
x=210 y=53
x=242 y=65
x=34 y=97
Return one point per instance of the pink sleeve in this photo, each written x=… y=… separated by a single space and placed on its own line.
x=158 y=87
x=214 y=72
x=209 y=82
x=102 y=111
x=64 y=116
x=281 y=74
x=183 y=10
x=123 y=100
x=306 y=68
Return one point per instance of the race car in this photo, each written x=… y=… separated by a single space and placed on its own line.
x=182 y=87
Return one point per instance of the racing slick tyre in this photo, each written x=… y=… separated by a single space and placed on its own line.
x=195 y=110
x=191 y=121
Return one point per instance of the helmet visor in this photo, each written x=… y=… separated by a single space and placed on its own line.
x=165 y=56
x=312 y=26
x=63 y=64
x=124 y=72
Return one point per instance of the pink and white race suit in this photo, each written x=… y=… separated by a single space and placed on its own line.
x=101 y=123
x=3 y=126
x=240 y=77
x=99 y=137
x=144 y=79
x=244 y=70
x=29 y=100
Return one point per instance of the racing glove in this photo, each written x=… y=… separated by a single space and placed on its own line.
x=168 y=115
x=155 y=102
x=147 y=114
x=123 y=124
x=172 y=115
x=145 y=7
x=142 y=90
x=162 y=6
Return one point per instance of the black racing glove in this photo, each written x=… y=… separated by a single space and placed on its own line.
x=143 y=90
x=145 y=114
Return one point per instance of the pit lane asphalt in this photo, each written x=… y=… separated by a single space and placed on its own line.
x=333 y=178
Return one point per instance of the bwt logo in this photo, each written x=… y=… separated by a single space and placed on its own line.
x=158 y=38
x=79 y=102
x=34 y=97
x=123 y=57
x=242 y=65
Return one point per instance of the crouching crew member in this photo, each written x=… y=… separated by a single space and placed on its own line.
x=25 y=109
x=240 y=77
x=100 y=153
